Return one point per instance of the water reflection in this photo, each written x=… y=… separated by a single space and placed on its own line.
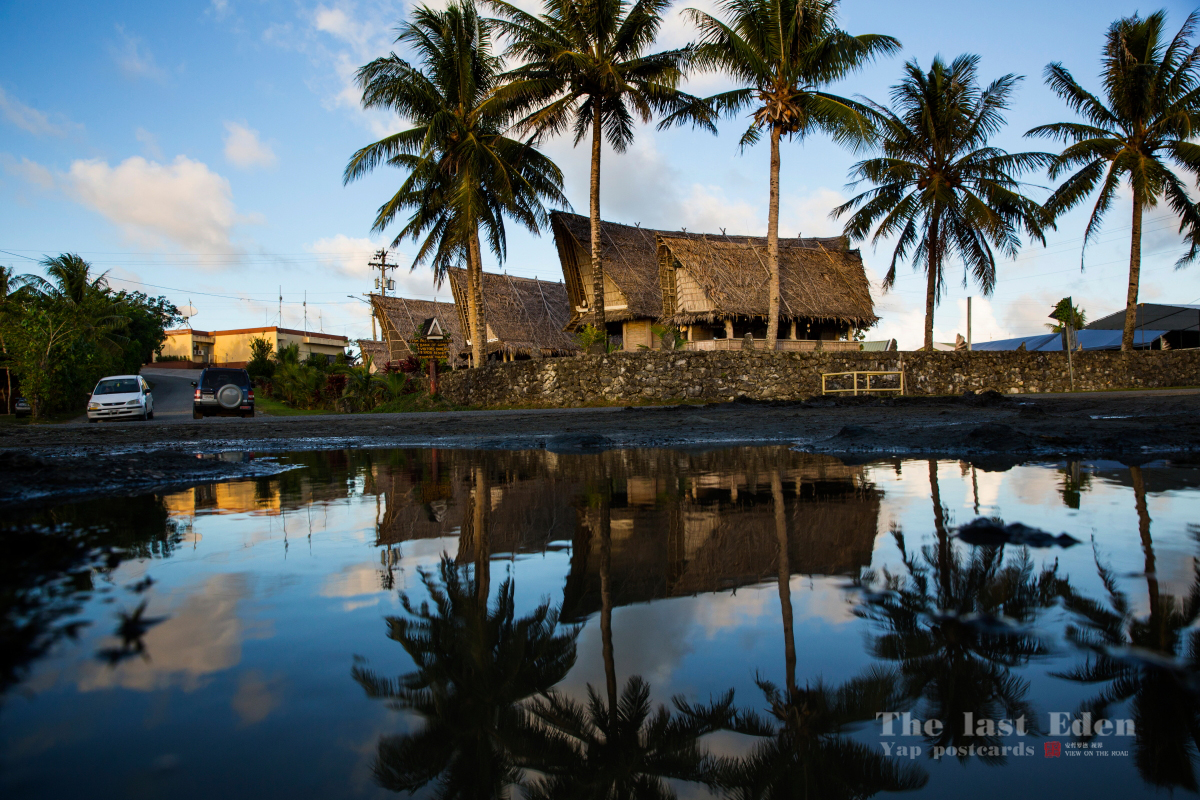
x=1151 y=660
x=575 y=626
x=957 y=622
x=475 y=664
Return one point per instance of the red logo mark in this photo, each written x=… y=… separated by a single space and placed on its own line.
x=1053 y=749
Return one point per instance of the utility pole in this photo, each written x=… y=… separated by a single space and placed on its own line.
x=281 y=306
x=306 y=312
x=968 y=324
x=380 y=263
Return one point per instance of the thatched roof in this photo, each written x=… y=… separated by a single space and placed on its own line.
x=523 y=315
x=401 y=318
x=629 y=258
x=376 y=349
x=820 y=279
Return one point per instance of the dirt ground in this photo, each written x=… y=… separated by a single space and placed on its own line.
x=38 y=463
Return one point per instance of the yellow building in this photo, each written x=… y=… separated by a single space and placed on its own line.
x=232 y=348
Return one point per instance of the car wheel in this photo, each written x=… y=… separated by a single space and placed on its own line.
x=246 y=414
x=93 y=421
x=196 y=414
x=150 y=414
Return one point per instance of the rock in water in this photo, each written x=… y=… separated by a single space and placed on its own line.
x=984 y=532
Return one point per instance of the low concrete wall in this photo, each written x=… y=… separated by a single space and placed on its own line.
x=664 y=376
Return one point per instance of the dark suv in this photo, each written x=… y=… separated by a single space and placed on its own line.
x=224 y=392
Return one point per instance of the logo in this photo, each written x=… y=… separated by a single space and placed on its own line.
x=1053 y=749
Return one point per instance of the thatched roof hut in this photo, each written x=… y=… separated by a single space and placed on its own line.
x=710 y=285
x=713 y=279
x=524 y=316
x=628 y=255
x=401 y=318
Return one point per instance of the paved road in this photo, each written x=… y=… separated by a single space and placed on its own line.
x=172 y=392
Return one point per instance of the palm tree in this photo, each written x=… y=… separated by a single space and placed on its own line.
x=585 y=65
x=783 y=52
x=1152 y=89
x=475 y=664
x=464 y=173
x=940 y=188
x=74 y=289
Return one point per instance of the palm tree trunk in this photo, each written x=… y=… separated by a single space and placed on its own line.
x=606 y=603
x=475 y=302
x=785 y=583
x=773 y=245
x=945 y=552
x=594 y=203
x=933 y=267
x=1151 y=570
x=483 y=563
x=1135 y=271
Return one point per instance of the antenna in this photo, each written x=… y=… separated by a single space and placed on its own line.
x=306 y=310
x=281 y=306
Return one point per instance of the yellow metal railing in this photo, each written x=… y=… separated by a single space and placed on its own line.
x=866 y=387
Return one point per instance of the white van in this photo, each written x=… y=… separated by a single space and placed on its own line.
x=121 y=397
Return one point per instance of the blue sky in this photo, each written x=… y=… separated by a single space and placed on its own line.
x=200 y=146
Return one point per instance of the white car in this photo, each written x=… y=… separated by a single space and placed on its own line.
x=121 y=397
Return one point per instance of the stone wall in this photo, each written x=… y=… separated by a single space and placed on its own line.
x=658 y=376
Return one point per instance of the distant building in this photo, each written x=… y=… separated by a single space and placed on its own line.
x=1179 y=324
x=232 y=348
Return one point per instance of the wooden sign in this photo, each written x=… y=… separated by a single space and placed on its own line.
x=430 y=348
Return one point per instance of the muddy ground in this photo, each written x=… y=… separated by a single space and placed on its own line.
x=40 y=463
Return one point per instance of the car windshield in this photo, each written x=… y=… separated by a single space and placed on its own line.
x=116 y=386
x=215 y=379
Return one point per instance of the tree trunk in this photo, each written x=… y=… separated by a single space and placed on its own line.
x=606 y=604
x=1135 y=271
x=933 y=268
x=475 y=315
x=594 y=203
x=785 y=583
x=1151 y=568
x=945 y=548
x=773 y=245
x=479 y=520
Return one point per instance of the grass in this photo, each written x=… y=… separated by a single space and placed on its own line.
x=277 y=408
x=418 y=401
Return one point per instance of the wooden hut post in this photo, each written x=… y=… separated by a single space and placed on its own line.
x=729 y=327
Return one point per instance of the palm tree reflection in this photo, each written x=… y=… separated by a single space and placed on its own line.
x=955 y=623
x=805 y=752
x=618 y=746
x=1152 y=661
x=475 y=664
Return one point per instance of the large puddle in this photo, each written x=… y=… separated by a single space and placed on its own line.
x=323 y=632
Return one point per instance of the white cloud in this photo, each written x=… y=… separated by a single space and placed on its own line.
x=29 y=171
x=219 y=8
x=183 y=202
x=243 y=148
x=149 y=143
x=31 y=120
x=134 y=58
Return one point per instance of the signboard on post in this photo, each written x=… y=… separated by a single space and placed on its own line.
x=430 y=348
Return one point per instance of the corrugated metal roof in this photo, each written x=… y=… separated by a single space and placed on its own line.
x=1154 y=315
x=1088 y=340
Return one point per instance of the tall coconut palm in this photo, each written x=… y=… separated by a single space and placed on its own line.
x=940 y=188
x=72 y=288
x=464 y=174
x=783 y=52
x=1140 y=133
x=586 y=65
